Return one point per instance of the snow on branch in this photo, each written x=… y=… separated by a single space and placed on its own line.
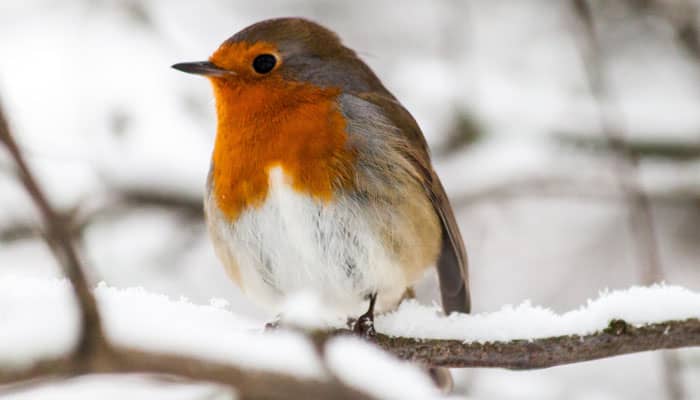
x=151 y=333
x=527 y=337
x=617 y=339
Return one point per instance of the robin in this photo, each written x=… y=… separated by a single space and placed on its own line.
x=320 y=179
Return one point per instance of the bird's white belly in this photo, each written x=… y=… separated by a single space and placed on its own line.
x=294 y=243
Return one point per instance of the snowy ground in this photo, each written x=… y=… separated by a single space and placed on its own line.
x=89 y=91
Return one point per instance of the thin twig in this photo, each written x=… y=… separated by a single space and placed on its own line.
x=587 y=190
x=249 y=383
x=59 y=240
x=641 y=221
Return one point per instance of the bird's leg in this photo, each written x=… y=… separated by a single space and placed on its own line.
x=364 y=326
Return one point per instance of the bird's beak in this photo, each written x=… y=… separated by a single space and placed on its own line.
x=202 y=68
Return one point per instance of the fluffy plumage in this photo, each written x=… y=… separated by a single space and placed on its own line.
x=321 y=180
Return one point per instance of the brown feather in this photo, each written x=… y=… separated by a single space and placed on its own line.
x=452 y=264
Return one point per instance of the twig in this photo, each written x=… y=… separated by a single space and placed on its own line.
x=641 y=221
x=682 y=16
x=670 y=150
x=588 y=190
x=91 y=337
x=76 y=219
x=249 y=383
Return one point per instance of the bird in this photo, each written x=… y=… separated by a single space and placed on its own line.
x=320 y=179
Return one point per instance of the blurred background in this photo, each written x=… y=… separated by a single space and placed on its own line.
x=566 y=133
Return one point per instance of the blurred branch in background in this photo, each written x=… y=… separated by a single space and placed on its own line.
x=110 y=204
x=641 y=221
x=638 y=149
x=465 y=130
x=571 y=189
x=91 y=338
x=682 y=16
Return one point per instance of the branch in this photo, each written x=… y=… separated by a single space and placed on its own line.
x=618 y=339
x=641 y=221
x=60 y=242
x=116 y=201
x=250 y=384
x=589 y=190
x=639 y=148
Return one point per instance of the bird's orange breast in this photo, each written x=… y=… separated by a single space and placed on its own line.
x=270 y=123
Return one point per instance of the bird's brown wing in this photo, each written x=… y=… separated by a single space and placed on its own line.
x=452 y=263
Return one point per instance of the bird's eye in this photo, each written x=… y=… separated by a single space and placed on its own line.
x=264 y=63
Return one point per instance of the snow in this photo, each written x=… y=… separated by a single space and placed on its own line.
x=137 y=318
x=637 y=306
x=306 y=310
x=38 y=319
x=377 y=372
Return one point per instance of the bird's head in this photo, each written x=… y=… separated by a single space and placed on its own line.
x=280 y=54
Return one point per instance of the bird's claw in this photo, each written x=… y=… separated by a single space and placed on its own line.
x=364 y=326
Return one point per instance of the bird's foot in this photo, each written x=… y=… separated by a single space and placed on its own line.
x=364 y=325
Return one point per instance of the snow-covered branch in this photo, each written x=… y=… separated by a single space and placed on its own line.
x=152 y=334
x=618 y=339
